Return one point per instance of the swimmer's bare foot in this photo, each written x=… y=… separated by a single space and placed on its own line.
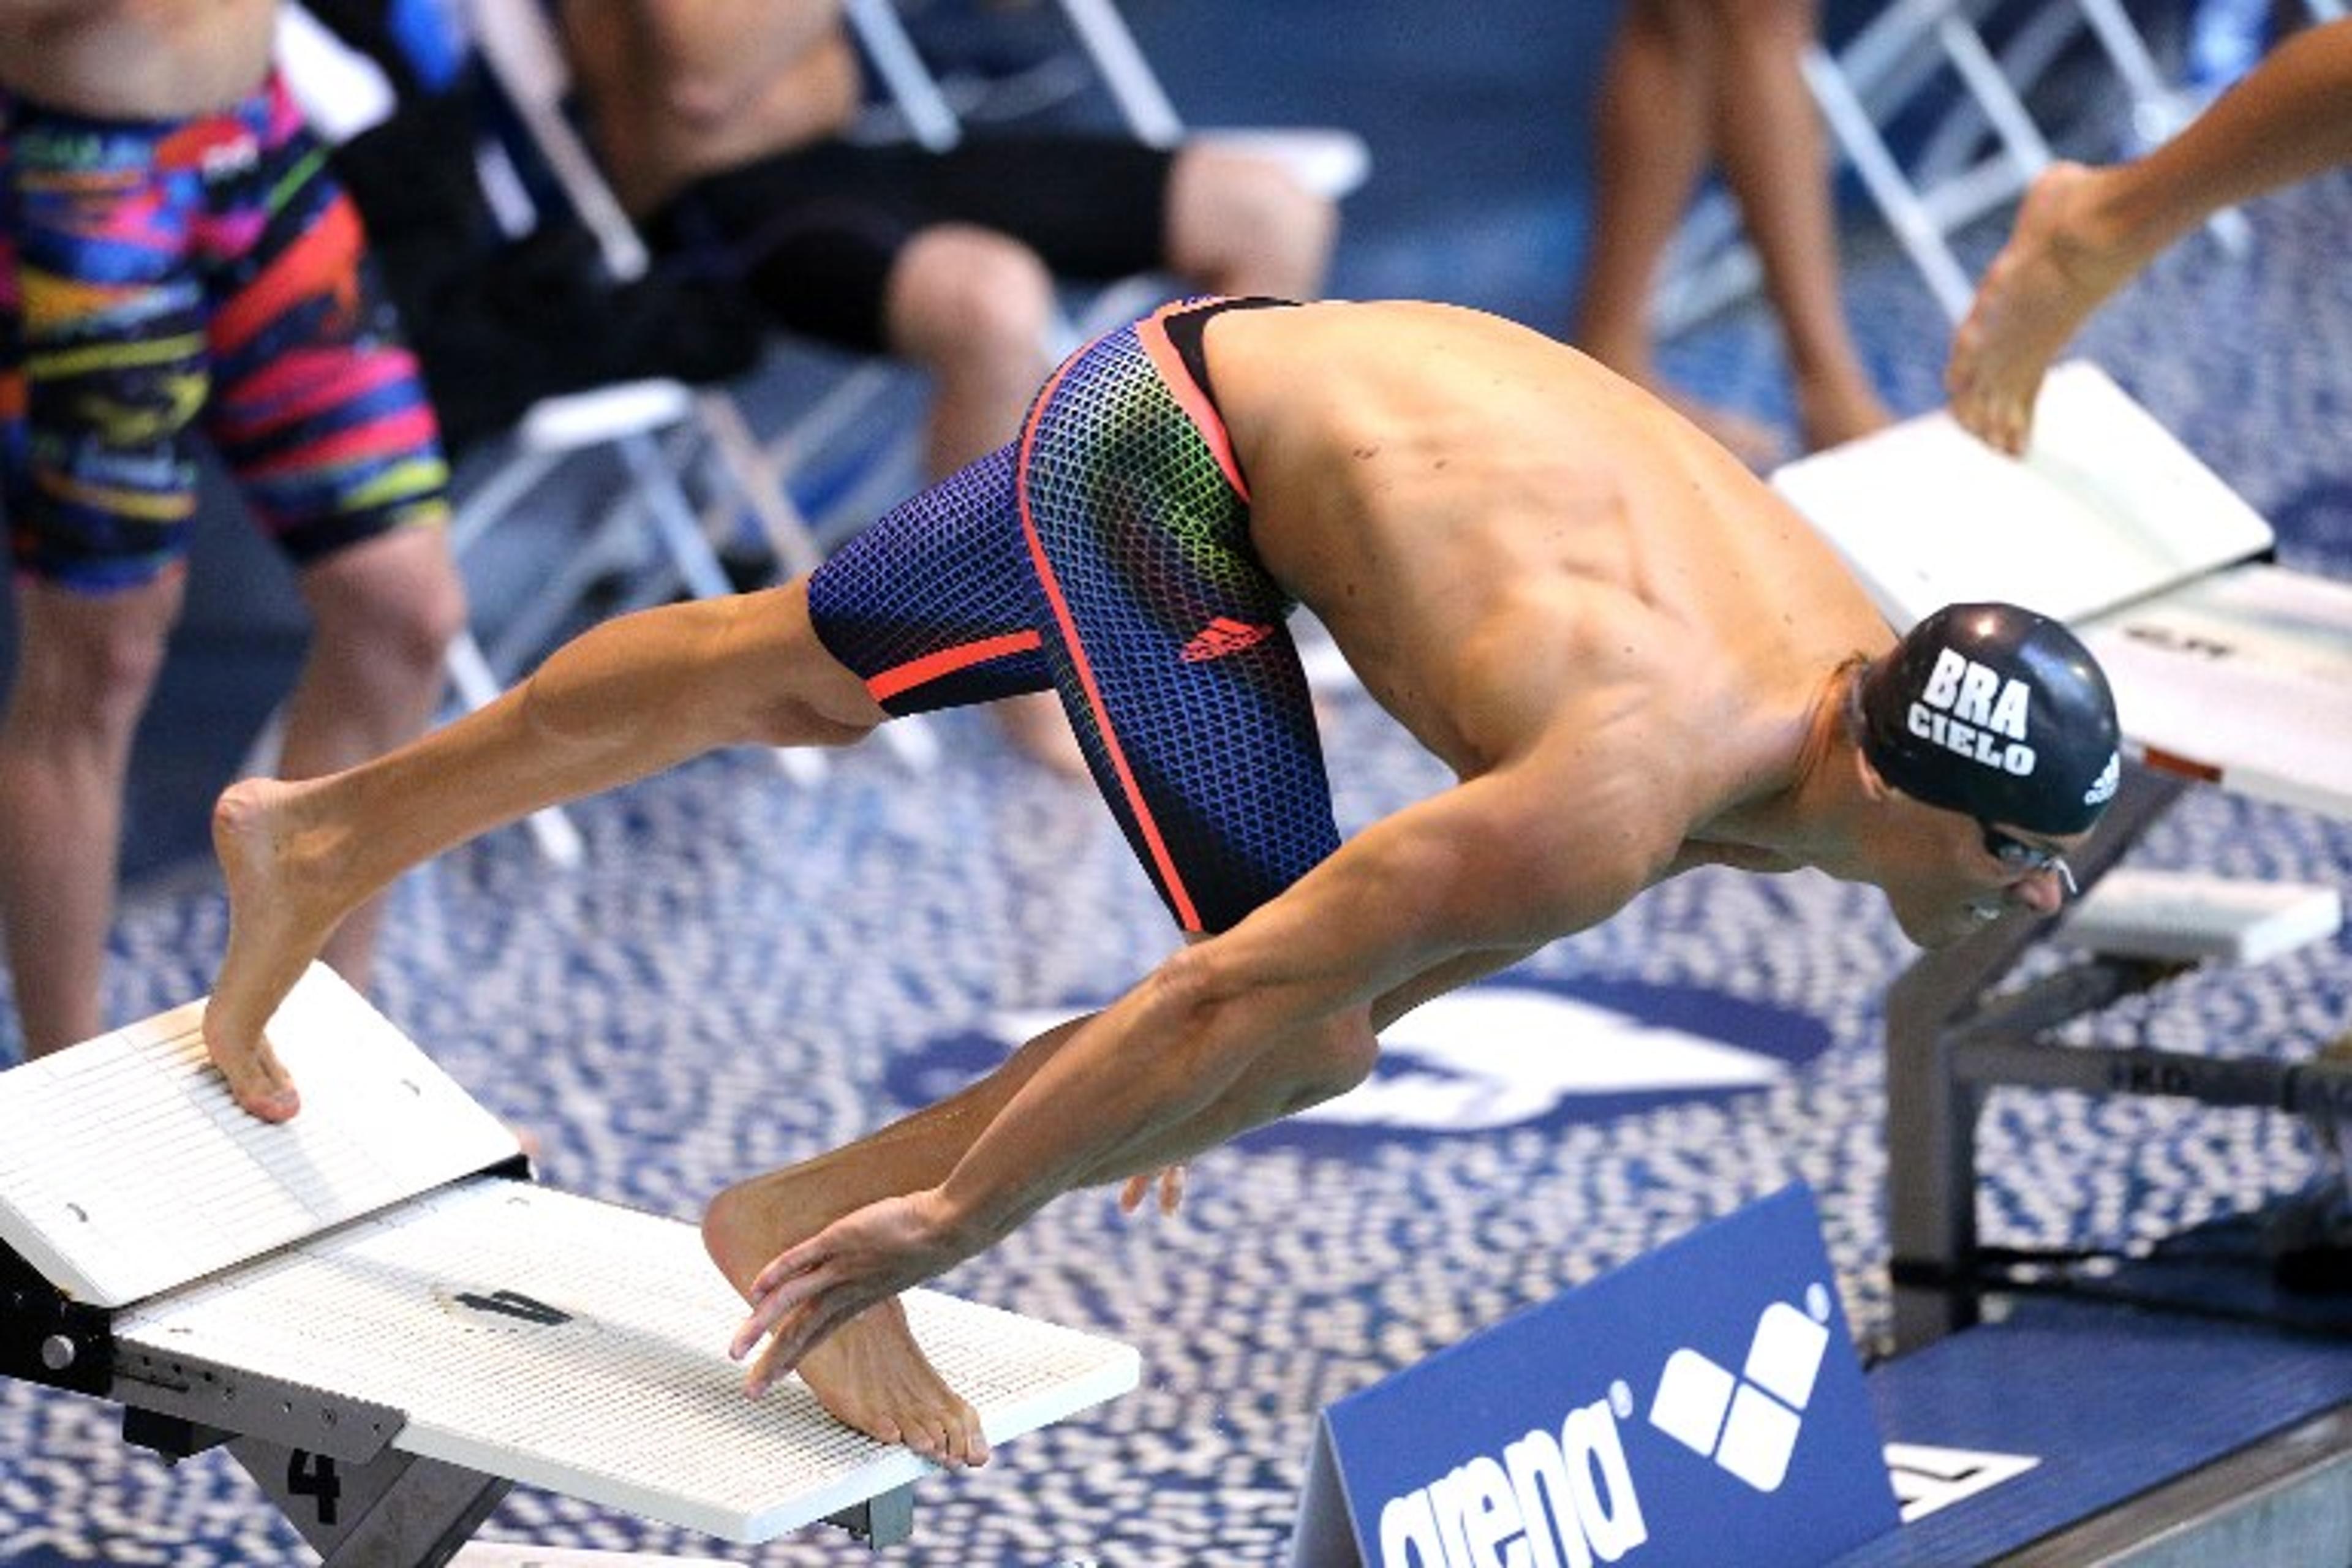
x=281 y=911
x=2059 y=264
x=1040 y=731
x=869 y=1373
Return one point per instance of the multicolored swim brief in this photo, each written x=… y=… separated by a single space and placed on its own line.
x=158 y=277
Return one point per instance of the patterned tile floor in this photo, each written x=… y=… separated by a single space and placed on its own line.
x=745 y=973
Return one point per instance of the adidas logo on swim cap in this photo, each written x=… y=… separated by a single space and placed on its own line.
x=2103 y=788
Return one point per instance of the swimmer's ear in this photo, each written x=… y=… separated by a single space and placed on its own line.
x=1871 y=782
x=1852 y=735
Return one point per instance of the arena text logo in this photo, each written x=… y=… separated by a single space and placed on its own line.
x=1568 y=1497
x=1974 y=713
x=1563 y=1497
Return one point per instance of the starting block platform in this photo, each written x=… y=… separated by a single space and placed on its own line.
x=389 y=1324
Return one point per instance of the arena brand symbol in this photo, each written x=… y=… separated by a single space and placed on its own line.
x=1565 y=1498
x=1748 y=1423
x=1487 y=1454
x=1968 y=709
x=224 y=152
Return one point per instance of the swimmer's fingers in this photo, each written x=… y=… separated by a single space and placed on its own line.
x=811 y=1290
x=795 y=1319
x=1168 y=1179
x=783 y=1269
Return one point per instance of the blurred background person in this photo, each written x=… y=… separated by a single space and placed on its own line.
x=1688 y=82
x=724 y=126
x=175 y=261
x=2083 y=232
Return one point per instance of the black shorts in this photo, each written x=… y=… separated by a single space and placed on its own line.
x=815 y=233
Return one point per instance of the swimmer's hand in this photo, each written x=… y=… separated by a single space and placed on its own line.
x=256 y=1078
x=863 y=1258
x=1169 y=1179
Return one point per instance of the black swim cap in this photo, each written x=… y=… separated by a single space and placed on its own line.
x=1997 y=713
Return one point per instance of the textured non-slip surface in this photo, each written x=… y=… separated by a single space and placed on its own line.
x=129 y=1169
x=2112 y=1402
x=577 y=1345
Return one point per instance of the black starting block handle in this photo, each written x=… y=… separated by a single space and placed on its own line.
x=47 y=1338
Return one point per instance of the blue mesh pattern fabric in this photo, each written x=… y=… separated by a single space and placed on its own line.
x=1121 y=544
x=940 y=578
x=1197 y=720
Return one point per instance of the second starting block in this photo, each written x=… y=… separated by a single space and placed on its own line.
x=389 y=1325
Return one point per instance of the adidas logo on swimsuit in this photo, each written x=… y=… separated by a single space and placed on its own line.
x=1221 y=636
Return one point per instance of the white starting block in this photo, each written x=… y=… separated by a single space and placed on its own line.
x=389 y=1325
x=2174 y=917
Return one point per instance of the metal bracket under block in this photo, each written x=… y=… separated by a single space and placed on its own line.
x=397 y=1511
x=883 y=1520
x=175 y=1438
x=47 y=1338
x=241 y=1402
x=2301 y=1087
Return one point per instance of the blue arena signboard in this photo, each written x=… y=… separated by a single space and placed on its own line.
x=1700 y=1406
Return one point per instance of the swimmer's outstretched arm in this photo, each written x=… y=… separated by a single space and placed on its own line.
x=1234 y=1032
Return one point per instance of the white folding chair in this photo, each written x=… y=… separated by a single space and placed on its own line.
x=1874 y=77
x=517 y=43
x=1329 y=161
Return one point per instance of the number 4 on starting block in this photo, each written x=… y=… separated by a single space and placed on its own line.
x=1702 y=1403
